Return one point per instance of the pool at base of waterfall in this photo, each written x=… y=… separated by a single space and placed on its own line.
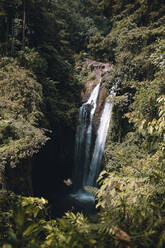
x=83 y=201
x=82 y=196
x=80 y=201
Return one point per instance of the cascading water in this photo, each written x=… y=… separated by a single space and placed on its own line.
x=87 y=168
x=100 y=141
x=83 y=138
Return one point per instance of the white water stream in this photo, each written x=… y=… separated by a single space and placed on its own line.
x=100 y=141
x=87 y=166
x=83 y=138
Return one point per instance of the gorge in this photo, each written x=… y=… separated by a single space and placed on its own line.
x=89 y=155
x=82 y=159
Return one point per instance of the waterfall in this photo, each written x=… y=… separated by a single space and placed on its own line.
x=100 y=141
x=87 y=167
x=83 y=138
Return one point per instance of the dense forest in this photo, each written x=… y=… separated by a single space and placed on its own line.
x=43 y=46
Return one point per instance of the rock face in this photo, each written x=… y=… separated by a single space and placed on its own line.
x=92 y=127
x=96 y=71
x=101 y=100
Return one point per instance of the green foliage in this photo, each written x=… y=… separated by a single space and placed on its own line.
x=125 y=153
x=27 y=225
x=157 y=127
x=132 y=189
x=132 y=198
x=31 y=60
x=97 y=49
x=132 y=40
x=40 y=88
x=138 y=57
x=22 y=220
x=148 y=101
x=21 y=98
x=7 y=132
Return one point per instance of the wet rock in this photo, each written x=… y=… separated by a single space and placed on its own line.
x=96 y=71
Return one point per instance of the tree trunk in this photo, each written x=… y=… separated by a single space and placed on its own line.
x=2 y=177
x=13 y=38
x=23 y=25
x=7 y=31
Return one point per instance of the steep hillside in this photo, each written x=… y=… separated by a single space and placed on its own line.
x=40 y=89
x=20 y=115
x=46 y=49
x=133 y=180
x=135 y=45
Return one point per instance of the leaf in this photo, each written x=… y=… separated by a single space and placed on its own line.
x=7 y=246
x=162 y=240
x=150 y=130
x=92 y=241
x=12 y=235
x=36 y=212
x=30 y=229
x=118 y=185
x=120 y=234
